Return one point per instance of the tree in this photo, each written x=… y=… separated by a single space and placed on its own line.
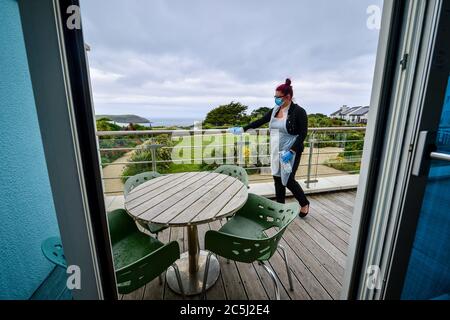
x=104 y=124
x=259 y=113
x=317 y=120
x=232 y=114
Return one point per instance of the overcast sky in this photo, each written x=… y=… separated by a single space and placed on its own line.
x=178 y=58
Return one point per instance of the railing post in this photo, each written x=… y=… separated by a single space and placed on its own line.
x=240 y=146
x=153 y=146
x=99 y=153
x=153 y=152
x=311 y=150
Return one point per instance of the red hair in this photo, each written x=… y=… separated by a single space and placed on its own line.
x=286 y=88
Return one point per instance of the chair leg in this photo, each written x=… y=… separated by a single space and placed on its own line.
x=288 y=270
x=205 y=276
x=160 y=276
x=274 y=278
x=180 y=283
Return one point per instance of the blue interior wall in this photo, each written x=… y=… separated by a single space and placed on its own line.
x=27 y=214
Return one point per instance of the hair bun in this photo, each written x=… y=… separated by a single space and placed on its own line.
x=288 y=82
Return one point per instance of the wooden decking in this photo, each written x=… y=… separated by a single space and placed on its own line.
x=316 y=246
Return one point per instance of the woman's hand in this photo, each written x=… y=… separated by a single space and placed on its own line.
x=287 y=156
x=236 y=130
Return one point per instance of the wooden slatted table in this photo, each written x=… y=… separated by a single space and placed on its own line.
x=188 y=199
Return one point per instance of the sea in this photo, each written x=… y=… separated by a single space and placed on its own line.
x=167 y=122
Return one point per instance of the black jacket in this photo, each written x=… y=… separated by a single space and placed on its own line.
x=296 y=124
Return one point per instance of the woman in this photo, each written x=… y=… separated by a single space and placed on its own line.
x=288 y=129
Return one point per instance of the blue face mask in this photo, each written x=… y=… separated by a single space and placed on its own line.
x=279 y=101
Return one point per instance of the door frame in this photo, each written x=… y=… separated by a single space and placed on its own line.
x=60 y=79
x=382 y=234
x=428 y=103
x=59 y=73
x=383 y=83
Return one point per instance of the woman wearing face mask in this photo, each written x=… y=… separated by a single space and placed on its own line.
x=288 y=130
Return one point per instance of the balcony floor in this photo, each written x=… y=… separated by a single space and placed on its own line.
x=316 y=246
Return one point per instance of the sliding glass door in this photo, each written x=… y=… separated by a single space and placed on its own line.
x=428 y=275
x=400 y=238
x=415 y=254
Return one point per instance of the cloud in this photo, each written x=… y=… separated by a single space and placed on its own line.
x=182 y=58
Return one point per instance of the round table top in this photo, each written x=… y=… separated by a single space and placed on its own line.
x=183 y=199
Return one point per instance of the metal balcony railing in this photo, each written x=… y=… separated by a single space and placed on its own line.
x=336 y=148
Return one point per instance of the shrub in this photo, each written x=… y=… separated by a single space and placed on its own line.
x=144 y=154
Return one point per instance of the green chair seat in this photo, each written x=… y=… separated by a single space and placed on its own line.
x=138 y=258
x=133 y=248
x=242 y=227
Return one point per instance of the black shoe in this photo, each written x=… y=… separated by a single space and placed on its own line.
x=303 y=214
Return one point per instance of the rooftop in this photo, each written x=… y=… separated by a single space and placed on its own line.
x=350 y=110
x=360 y=112
x=356 y=111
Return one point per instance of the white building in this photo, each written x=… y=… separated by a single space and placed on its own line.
x=360 y=115
x=357 y=114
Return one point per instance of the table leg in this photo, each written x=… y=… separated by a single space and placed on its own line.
x=193 y=249
x=192 y=267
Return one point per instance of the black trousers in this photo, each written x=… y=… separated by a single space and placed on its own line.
x=292 y=185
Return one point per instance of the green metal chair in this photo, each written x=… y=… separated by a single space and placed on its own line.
x=53 y=251
x=132 y=183
x=244 y=237
x=138 y=258
x=234 y=171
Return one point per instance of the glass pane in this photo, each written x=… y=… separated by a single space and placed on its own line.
x=428 y=275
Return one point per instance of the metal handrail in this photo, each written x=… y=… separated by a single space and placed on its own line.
x=310 y=143
x=190 y=131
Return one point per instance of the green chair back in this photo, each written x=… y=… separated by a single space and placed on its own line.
x=139 y=179
x=121 y=225
x=138 y=258
x=53 y=251
x=135 y=181
x=244 y=238
x=268 y=213
x=235 y=172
